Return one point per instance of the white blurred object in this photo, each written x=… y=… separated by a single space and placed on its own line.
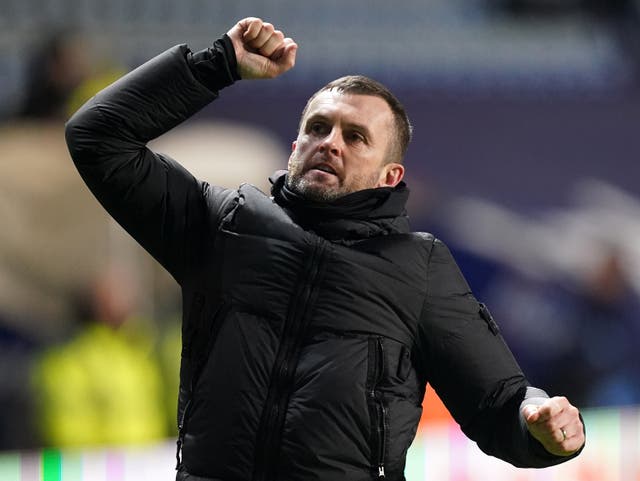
x=565 y=242
x=224 y=154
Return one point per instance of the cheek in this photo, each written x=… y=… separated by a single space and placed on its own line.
x=363 y=174
x=292 y=163
x=302 y=144
x=296 y=160
x=301 y=152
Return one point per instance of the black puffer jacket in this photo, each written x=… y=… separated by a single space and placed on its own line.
x=310 y=330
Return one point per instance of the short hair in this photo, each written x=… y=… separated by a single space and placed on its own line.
x=361 y=85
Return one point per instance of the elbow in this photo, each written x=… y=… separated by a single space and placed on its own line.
x=71 y=129
x=81 y=132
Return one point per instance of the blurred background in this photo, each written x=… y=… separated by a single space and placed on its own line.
x=525 y=160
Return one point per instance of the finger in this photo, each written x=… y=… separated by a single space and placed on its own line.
x=261 y=38
x=569 y=421
x=551 y=409
x=567 y=425
x=251 y=28
x=286 y=55
x=575 y=434
x=558 y=435
x=273 y=43
x=280 y=51
x=246 y=26
x=287 y=58
x=569 y=438
x=530 y=413
x=256 y=65
x=552 y=428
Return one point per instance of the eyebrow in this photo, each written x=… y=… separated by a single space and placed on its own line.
x=352 y=125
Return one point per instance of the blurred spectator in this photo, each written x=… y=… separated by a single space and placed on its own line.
x=104 y=386
x=58 y=66
x=576 y=339
x=16 y=404
x=169 y=355
x=609 y=320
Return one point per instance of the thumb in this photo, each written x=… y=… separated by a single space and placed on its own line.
x=530 y=413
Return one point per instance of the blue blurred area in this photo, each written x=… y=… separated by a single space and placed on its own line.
x=524 y=160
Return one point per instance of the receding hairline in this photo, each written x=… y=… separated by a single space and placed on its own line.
x=365 y=86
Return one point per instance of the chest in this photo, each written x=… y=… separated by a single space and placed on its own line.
x=268 y=265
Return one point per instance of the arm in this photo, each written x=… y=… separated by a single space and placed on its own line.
x=473 y=371
x=156 y=200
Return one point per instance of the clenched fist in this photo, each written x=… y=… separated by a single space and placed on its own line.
x=556 y=424
x=261 y=50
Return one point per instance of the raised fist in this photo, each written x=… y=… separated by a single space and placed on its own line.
x=261 y=50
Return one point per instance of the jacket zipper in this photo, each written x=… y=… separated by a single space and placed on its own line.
x=377 y=408
x=382 y=442
x=268 y=436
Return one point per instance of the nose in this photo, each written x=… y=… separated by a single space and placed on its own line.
x=332 y=143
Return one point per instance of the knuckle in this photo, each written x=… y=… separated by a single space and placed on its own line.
x=257 y=24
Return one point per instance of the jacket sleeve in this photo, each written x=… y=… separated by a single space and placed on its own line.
x=471 y=368
x=154 y=199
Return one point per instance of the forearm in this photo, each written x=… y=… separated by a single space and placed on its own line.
x=146 y=103
x=472 y=369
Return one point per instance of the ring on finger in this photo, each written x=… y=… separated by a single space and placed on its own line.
x=564 y=434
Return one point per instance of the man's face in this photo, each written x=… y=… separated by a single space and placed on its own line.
x=342 y=147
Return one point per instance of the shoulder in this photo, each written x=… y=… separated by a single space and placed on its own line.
x=434 y=247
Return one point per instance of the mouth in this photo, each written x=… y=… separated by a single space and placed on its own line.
x=324 y=168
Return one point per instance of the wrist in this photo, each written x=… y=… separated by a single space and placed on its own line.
x=230 y=56
x=215 y=67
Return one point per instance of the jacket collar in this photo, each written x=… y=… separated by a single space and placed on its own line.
x=355 y=216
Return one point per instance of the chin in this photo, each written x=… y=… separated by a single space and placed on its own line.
x=313 y=190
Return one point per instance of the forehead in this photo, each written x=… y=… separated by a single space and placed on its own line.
x=367 y=110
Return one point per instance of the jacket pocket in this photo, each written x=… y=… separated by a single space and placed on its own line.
x=378 y=410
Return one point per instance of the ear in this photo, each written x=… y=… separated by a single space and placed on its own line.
x=391 y=175
x=294 y=144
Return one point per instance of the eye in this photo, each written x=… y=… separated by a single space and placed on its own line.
x=318 y=128
x=356 y=137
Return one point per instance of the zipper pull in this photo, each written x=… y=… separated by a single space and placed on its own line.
x=381 y=472
x=180 y=441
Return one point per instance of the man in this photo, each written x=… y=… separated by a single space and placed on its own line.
x=313 y=319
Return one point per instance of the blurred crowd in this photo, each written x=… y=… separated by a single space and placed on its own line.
x=89 y=347
x=81 y=361
x=564 y=286
x=577 y=339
